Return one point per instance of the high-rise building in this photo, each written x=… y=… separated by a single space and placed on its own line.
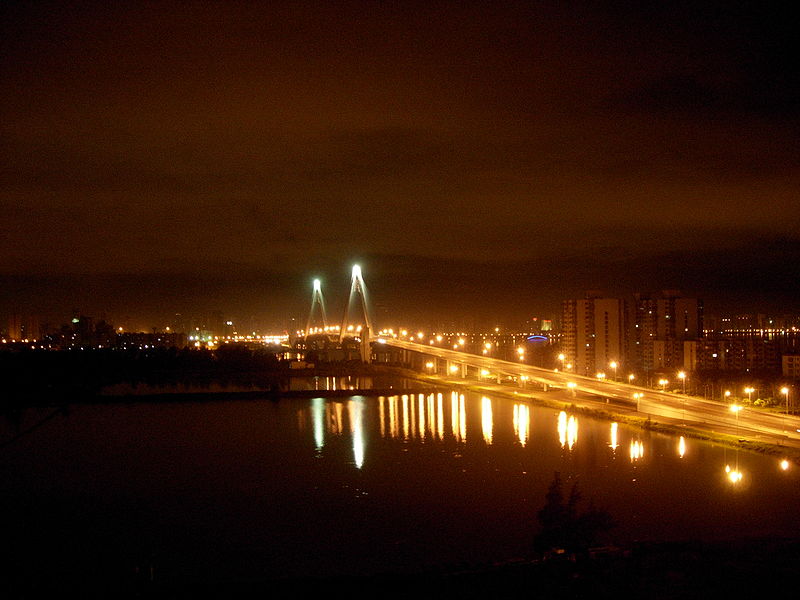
x=594 y=334
x=15 y=327
x=662 y=327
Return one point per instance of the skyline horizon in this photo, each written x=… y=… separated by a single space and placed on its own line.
x=294 y=303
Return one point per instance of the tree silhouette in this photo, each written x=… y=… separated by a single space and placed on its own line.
x=563 y=526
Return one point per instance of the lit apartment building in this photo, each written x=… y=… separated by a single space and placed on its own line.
x=593 y=334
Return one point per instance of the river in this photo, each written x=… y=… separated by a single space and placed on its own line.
x=225 y=490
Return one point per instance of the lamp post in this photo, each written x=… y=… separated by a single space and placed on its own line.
x=785 y=392
x=749 y=391
x=663 y=383
x=613 y=365
x=682 y=377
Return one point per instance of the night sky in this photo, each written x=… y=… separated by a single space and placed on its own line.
x=479 y=160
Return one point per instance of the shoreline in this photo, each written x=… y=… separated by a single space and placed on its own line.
x=580 y=406
x=143 y=392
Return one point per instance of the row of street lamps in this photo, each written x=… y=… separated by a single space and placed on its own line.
x=661 y=382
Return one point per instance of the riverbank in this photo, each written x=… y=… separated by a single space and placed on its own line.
x=606 y=412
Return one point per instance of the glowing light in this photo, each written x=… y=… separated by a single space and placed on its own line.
x=317 y=285
x=318 y=420
x=522 y=422
x=357 y=271
x=637 y=450
x=785 y=464
x=562 y=428
x=735 y=476
x=572 y=431
x=486 y=419
x=614 y=444
x=681 y=447
x=454 y=368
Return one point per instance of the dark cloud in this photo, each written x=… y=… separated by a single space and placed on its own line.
x=228 y=142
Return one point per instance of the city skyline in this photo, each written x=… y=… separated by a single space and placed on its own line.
x=477 y=160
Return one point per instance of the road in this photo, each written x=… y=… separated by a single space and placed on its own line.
x=676 y=409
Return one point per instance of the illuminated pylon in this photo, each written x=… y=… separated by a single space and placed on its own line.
x=356 y=287
x=317 y=300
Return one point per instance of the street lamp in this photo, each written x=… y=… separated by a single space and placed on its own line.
x=682 y=377
x=749 y=391
x=637 y=396
x=613 y=365
x=785 y=392
x=663 y=383
x=631 y=377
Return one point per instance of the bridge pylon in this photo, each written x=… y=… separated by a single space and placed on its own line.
x=349 y=327
x=317 y=301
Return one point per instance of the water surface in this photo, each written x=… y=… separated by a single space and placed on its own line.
x=245 y=489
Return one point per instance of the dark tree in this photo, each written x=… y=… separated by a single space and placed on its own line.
x=563 y=526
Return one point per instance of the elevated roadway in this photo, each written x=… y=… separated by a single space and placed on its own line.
x=699 y=413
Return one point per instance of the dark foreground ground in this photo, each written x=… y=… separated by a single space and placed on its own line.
x=667 y=570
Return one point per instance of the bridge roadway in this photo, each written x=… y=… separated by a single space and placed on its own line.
x=700 y=413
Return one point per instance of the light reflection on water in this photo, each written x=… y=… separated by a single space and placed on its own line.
x=364 y=483
x=423 y=420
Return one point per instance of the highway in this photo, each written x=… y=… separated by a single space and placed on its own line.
x=676 y=409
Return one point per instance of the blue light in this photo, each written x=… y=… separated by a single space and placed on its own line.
x=537 y=338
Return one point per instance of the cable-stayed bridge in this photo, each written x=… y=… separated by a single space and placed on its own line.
x=355 y=338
